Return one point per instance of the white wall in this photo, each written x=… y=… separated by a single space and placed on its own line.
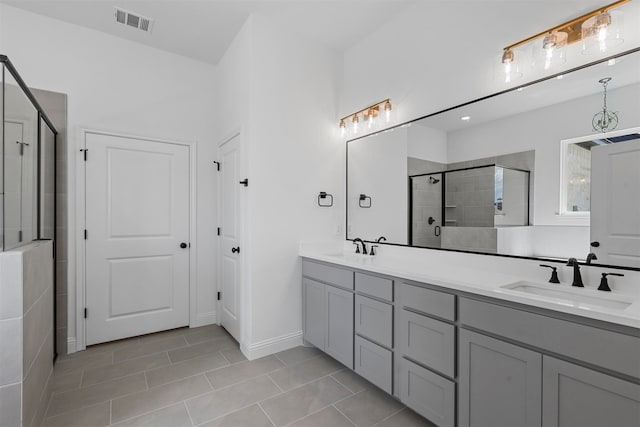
x=116 y=85
x=427 y=143
x=378 y=168
x=282 y=93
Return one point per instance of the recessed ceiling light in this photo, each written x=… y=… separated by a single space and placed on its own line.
x=465 y=118
x=560 y=77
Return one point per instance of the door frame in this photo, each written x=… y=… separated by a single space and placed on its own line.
x=244 y=302
x=80 y=224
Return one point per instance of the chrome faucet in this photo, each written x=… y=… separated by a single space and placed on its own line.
x=364 y=245
x=577 y=278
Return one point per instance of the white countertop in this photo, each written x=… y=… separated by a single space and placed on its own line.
x=430 y=267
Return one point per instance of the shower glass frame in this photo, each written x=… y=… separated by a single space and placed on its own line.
x=42 y=165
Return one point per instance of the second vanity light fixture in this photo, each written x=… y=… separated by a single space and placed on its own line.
x=369 y=115
x=598 y=30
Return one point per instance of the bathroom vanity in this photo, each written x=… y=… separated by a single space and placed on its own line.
x=471 y=350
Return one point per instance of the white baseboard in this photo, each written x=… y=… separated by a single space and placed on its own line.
x=204 y=319
x=272 y=345
x=71 y=345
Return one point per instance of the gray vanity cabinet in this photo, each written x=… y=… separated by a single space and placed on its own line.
x=328 y=310
x=339 y=333
x=374 y=330
x=578 y=396
x=314 y=294
x=499 y=383
x=427 y=352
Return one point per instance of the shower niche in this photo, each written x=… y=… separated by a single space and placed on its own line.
x=468 y=208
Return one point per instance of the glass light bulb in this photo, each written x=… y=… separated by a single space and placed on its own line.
x=355 y=125
x=370 y=121
x=507 y=72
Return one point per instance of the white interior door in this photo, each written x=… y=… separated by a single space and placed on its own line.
x=230 y=259
x=615 y=203
x=137 y=247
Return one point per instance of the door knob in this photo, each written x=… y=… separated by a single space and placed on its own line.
x=236 y=250
x=183 y=245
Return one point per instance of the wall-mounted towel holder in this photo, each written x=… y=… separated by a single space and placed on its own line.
x=324 y=196
x=364 y=198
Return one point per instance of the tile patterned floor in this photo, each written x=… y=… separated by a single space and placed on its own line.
x=199 y=377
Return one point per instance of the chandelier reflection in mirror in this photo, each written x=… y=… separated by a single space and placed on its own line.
x=605 y=120
x=599 y=31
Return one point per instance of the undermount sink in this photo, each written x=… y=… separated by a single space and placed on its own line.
x=353 y=257
x=587 y=299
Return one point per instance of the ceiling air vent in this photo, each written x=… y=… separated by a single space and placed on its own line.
x=133 y=20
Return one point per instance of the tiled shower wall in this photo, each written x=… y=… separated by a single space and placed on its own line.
x=26 y=333
x=55 y=105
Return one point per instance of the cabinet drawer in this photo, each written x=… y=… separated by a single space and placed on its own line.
x=375 y=286
x=428 y=301
x=596 y=346
x=374 y=363
x=328 y=274
x=374 y=320
x=428 y=341
x=427 y=393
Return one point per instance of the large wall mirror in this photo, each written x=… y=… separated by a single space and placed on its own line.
x=520 y=173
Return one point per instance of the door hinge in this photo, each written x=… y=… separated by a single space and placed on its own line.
x=219 y=296
x=217 y=165
x=86 y=233
x=245 y=182
x=85 y=312
x=218 y=231
x=19 y=235
x=84 y=152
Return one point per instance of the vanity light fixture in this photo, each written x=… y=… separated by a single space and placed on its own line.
x=598 y=30
x=605 y=120
x=369 y=114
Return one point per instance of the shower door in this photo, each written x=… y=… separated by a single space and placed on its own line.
x=425 y=210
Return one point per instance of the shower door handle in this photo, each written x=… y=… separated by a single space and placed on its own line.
x=436 y=230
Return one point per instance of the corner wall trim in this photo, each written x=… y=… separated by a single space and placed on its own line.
x=71 y=345
x=272 y=345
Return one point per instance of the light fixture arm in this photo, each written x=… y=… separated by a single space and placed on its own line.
x=375 y=107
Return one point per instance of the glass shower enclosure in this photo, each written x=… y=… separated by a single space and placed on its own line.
x=454 y=209
x=27 y=169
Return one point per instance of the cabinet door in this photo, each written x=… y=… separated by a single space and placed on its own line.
x=315 y=312
x=577 y=396
x=339 y=332
x=499 y=383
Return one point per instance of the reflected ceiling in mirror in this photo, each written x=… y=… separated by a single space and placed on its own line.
x=486 y=176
